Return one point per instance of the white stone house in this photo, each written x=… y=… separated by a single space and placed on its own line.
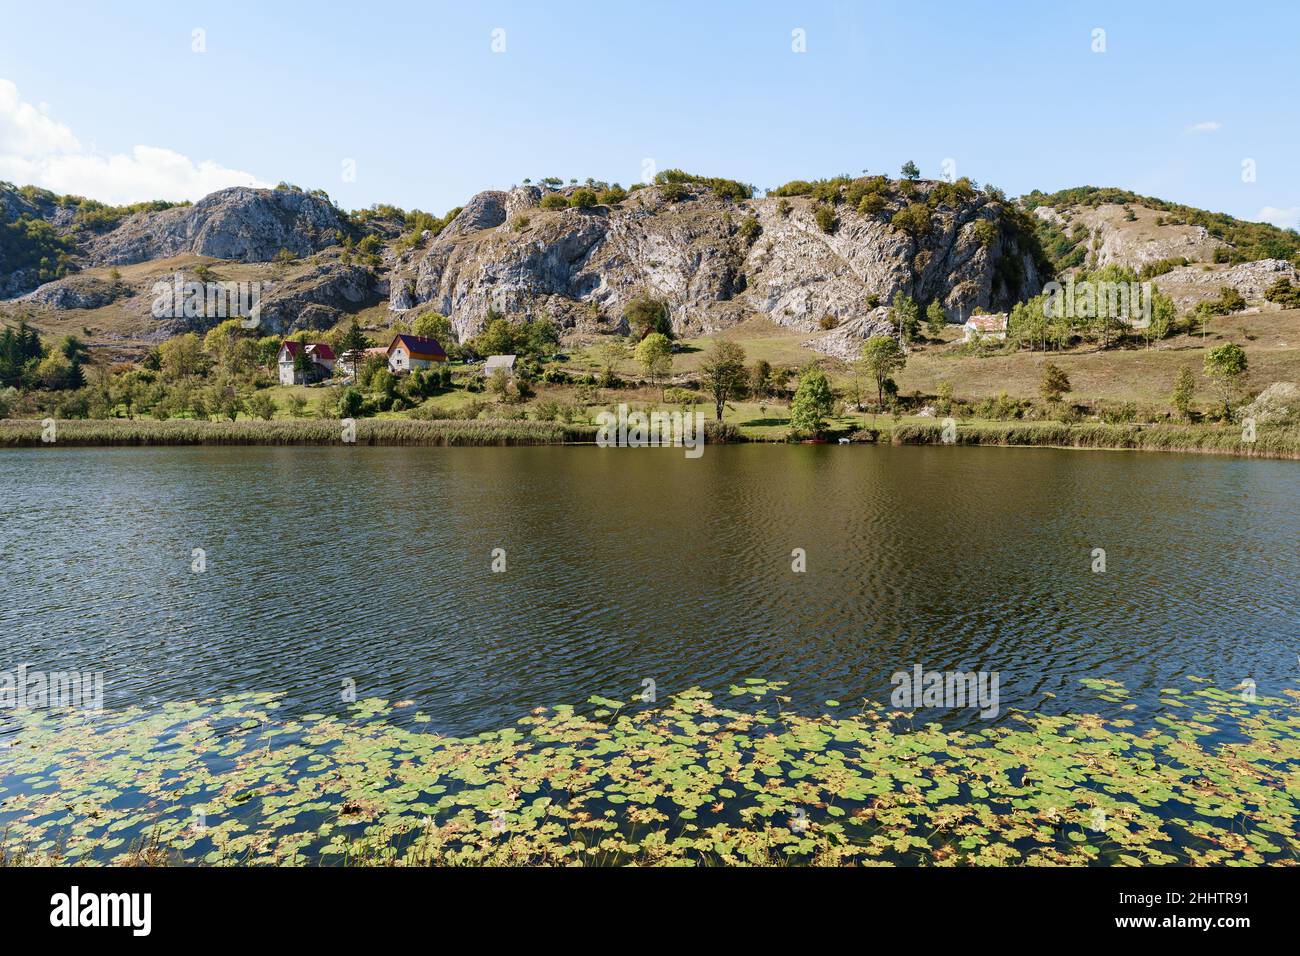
x=322 y=363
x=985 y=327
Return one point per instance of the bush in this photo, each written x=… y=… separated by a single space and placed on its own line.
x=261 y=405
x=350 y=403
x=583 y=199
x=554 y=201
x=674 y=192
x=826 y=218
x=614 y=195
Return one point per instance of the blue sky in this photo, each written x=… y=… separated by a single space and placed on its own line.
x=1012 y=92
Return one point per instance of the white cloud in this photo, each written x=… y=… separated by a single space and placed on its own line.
x=1288 y=218
x=1209 y=126
x=38 y=150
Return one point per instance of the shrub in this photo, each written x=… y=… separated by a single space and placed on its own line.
x=826 y=218
x=614 y=195
x=674 y=192
x=583 y=199
x=261 y=406
x=554 y=201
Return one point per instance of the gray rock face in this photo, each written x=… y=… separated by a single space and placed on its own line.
x=1277 y=404
x=692 y=253
x=250 y=225
x=1114 y=238
x=317 y=299
x=76 y=292
x=1188 y=285
x=844 y=342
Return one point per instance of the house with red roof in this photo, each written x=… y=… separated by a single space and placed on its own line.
x=319 y=365
x=408 y=352
x=985 y=327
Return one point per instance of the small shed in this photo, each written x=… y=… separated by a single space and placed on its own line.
x=986 y=327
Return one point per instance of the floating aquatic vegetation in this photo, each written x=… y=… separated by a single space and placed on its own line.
x=691 y=782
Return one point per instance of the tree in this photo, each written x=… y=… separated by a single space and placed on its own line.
x=1184 y=392
x=354 y=340
x=262 y=406
x=723 y=373
x=499 y=382
x=1054 y=383
x=1163 y=313
x=813 y=402
x=760 y=379
x=910 y=171
x=914 y=220
x=905 y=315
x=646 y=313
x=539 y=337
x=350 y=403
x=499 y=336
x=220 y=340
x=304 y=366
x=1226 y=365
x=54 y=371
x=181 y=356
x=945 y=398
x=655 y=353
x=935 y=318
x=610 y=354
x=882 y=356
x=433 y=325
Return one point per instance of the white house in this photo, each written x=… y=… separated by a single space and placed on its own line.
x=494 y=362
x=408 y=352
x=322 y=363
x=986 y=327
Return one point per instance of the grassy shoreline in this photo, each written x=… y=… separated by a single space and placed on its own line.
x=1193 y=439
x=1276 y=443
x=385 y=431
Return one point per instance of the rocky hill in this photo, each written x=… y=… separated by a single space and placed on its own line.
x=714 y=260
x=809 y=257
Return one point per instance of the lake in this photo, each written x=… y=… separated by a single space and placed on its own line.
x=326 y=568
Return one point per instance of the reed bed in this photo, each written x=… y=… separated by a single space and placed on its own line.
x=1270 y=442
x=391 y=431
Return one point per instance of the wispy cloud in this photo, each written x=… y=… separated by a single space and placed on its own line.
x=1209 y=126
x=36 y=149
x=1288 y=218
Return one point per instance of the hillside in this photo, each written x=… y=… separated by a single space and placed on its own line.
x=716 y=255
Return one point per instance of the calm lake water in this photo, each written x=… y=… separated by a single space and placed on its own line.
x=375 y=565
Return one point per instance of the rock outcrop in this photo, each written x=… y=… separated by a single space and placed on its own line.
x=77 y=292
x=844 y=342
x=250 y=225
x=1188 y=285
x=1277 y=404
x=1115 y=238
x=504 y=253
